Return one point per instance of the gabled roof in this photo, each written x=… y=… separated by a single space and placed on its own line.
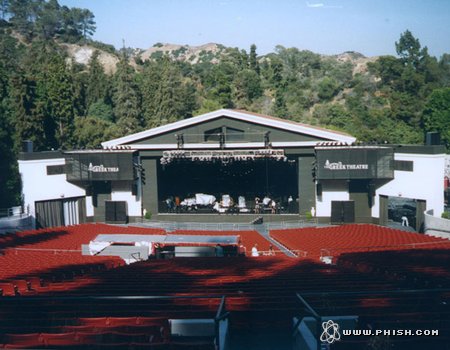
x=241 y=115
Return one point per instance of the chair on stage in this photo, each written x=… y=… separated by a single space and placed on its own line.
x=224 y=204
x=242 y=205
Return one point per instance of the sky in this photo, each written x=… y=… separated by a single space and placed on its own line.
x=370 y=27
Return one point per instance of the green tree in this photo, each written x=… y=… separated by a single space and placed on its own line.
x=27 y=120
x=248 y=87
x=97 y=82
x=126 y=99
x=166 y=95
x=90 y=132
x=388 y=68
x=23 y=15
x=9 y=175
x=335 y=116
x=444 y=69
x=279 y=108
x=87 y=23
x=409 y=49
x=76 y=23
x=48 y=23
x=436 y=115
x=253 y=59
x=328 y=88
x=218 y=82
x=101 y=110
x=60 y=97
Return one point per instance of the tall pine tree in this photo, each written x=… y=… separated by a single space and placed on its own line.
x=126 y=98
x=97 y=88
x=60 y=96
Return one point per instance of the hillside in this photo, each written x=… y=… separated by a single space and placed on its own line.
x=82 y=54
x=193 y=54
x=207 y=53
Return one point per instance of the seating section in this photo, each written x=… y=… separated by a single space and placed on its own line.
x=46 y=260
x=68 y=237
x=425 y=268
x=336 y=240
x=72 y=301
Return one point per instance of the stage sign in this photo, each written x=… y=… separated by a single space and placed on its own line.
x=222 y=155
x=99 y=166
x=354 y=163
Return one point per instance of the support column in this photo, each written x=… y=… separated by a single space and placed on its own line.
x=150 y=188
x=306 y=184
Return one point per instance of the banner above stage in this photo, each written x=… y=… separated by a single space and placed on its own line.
x=222 y=155
x=354 y=163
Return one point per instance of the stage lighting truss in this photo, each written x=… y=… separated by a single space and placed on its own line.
x=223 y=156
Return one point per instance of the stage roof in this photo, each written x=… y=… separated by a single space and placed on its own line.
x=132 y=141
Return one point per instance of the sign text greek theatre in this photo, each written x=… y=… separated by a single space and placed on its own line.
x=102 y=169
x=340 y=166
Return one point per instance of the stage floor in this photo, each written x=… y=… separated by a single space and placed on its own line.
x=216 y=218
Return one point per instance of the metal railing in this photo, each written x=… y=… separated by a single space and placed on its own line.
x=308 y=311
x=224 y=226
x=13 y=211
x=221 y=316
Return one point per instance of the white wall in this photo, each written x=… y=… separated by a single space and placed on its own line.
x=38 y=186
x=89 y=206
x=331 y=191
x=425 y=182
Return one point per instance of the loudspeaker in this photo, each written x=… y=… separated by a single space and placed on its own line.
x=116 y=211
x=110 y=211
x=433 y=139
x=121 y=211
x=371 y=189
x=319 y=189
x=27 y=146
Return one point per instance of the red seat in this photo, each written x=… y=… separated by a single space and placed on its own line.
x=26 y=340
x=93 y=321
x=8 y=289
x=59 y=339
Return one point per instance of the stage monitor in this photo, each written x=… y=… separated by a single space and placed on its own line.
x=344 y=163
